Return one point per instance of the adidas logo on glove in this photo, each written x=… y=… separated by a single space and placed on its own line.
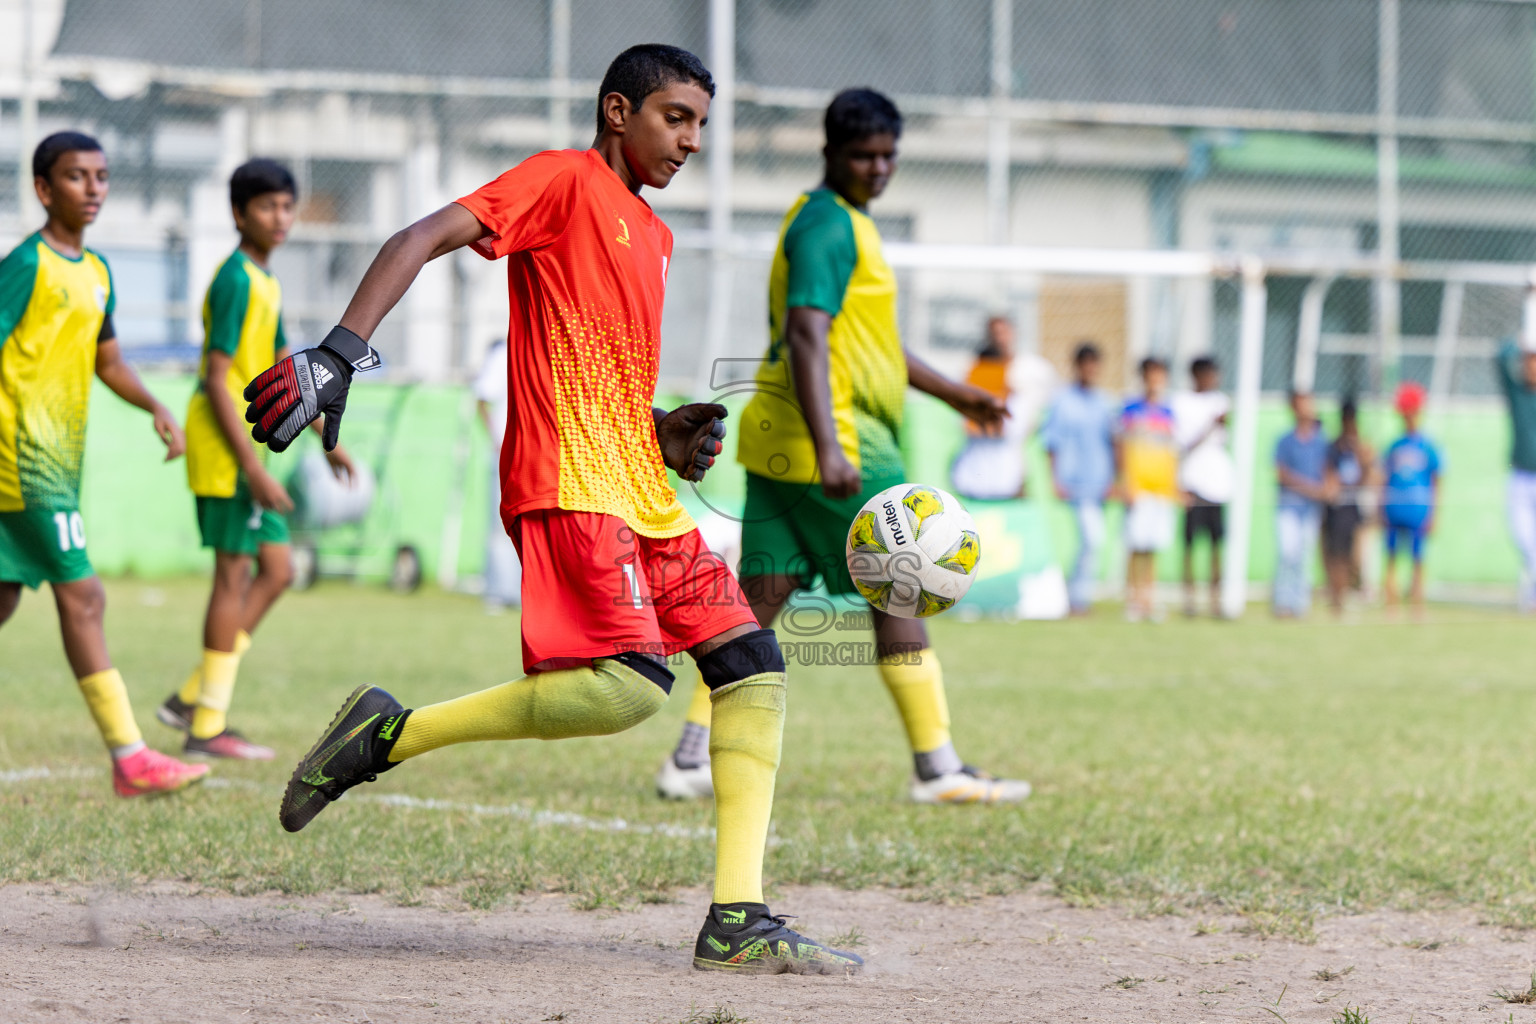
x=322 y=376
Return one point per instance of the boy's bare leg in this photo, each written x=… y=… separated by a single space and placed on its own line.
x=1189 y=579
x=10 y=598
x=226 y=604
x=1215 y=579
x=81 y=605
x=1416 y=589
x=1389 y=582
x=274 y=574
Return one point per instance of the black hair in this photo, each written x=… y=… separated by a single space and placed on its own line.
x=1348 y=409
x=1086 y=351
x=1152 y=363
x=647 y=68
x=258 y=177
x=56 y=145
x=1202 y=364
x=856 y=114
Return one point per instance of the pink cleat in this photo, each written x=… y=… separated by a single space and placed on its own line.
x=228 y=744
x=150 y=771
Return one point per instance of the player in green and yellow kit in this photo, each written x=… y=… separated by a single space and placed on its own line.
x=820 y=440
x=56 y=302
x=240 y=505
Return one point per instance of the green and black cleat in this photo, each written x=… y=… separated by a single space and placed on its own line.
x=746 y=938
x=353 y=749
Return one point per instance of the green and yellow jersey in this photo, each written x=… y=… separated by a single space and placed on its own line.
x=829 y=258
x=52 y=309
x=242 y=317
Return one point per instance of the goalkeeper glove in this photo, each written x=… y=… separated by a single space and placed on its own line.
x=312 y=382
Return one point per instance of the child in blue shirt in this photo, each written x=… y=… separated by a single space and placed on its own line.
x=1409 y=495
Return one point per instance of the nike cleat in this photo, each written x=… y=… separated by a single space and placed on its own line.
x=352 y=750
x=149 y=771
x=674 y=782
x=968 y=786
x=228 y=744
x=176 y=713
x=747 y=939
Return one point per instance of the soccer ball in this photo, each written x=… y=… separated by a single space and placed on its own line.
x=913 y=550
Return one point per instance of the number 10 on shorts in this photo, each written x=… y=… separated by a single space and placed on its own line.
x=71 y=531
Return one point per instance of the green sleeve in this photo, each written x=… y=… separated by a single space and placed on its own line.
x=111 y=285
x=820 y=250
x=228 y=297
x=281 y=341
x=18 y=272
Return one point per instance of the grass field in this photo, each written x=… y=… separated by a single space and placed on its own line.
x=1278 y=771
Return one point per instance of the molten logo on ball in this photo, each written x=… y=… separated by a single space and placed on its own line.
x=913 y=550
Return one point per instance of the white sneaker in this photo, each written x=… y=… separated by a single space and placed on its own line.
x=674 y=783
x=968 y=786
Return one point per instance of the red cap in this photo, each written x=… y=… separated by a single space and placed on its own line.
x=1410 y=397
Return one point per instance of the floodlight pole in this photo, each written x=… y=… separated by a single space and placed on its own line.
x=28 y=120
x=560 y=73
x=999 y=124
x=1245 y=439
x=1388 y=210
x=722 y=130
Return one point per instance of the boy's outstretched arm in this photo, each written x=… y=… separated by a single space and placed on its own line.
x=297 y=390
x=976 y=404
x=124 y=381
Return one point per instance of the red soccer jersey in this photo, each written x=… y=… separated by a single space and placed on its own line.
x=587 y=272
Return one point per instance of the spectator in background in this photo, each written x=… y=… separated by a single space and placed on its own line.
x=1346 y=475
x=1517 y=375
x=1299 y=460
x=1206 y=473
x=503 y=572
x=1147 y=461
x=1079 y=439
x=992 y=464
x=1410 y=495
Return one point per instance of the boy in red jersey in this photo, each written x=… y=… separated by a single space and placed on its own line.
x=615 y=574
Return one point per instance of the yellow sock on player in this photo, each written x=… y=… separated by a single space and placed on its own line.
x=218 y=688
x=190 y=689
x=916 y=683
x=606 y=698
x=744 y=744
x=107 y=698
x=699 y=705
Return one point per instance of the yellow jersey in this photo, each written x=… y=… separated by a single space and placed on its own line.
x=52 y=309
x=242 y=317
x=829 y=258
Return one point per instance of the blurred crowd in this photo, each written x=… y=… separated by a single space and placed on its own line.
x=1165 y=457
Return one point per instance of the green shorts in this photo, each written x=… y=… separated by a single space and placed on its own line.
x=43 y=544
x=237 y=525
x=796 y=530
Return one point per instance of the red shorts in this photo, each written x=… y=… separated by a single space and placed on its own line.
x=593 y=587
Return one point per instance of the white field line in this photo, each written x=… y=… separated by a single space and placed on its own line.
x=559 y=819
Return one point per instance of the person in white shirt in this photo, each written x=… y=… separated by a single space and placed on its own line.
x=503 y=572
x=992 y=465
x=1206 y=472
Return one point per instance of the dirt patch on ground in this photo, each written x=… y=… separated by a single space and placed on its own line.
x=169 y=956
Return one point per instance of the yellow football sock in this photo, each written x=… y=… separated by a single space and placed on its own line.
x=107 y=698
x=606 y=698
x=218 y=671
x=194 y=684
x=916 y=683
x=744 y=745
x=699 y=705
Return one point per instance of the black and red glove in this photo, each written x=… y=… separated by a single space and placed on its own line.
x=312 y=382
x=690 y=437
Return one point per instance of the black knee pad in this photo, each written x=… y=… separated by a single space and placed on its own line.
x=649 y=667
x=748 y=655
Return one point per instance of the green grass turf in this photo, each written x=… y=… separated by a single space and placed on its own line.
x=1276 y=770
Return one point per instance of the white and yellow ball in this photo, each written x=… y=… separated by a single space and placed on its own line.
x=913 y=550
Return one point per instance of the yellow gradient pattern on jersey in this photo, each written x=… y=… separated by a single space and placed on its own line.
x=47 y=359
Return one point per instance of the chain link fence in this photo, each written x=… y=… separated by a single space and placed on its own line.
x=1229 y=126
